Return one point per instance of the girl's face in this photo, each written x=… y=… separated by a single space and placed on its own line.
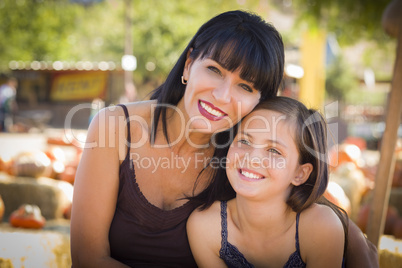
x=263 y=158
x=215 y=98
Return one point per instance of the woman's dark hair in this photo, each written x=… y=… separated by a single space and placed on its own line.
x=237 y=40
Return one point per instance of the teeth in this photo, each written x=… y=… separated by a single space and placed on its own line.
x=250 y=175
x=211 y=111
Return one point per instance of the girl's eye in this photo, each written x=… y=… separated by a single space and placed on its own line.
x=215 y=70
x=272 y=150
x=246 y=88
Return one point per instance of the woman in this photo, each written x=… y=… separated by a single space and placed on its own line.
x=277 y=165
x=130 y=198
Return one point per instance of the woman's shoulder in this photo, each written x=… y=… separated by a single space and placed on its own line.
x=143 y=109
x=111 y=113
x=109 y=125
x=141 y=106
x=137 y=112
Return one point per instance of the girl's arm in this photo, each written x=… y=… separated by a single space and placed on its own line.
x=204 y=235
x=95 y=191
x=322 y=237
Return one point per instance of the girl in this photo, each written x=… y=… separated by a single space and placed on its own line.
x=277 y=165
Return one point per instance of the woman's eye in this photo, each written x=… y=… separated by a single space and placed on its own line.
x=246 y=88
x=272 y=150
x=214 y=69
x=243 y=141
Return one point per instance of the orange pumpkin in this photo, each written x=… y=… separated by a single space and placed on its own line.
x=27 y=216
x=336 y=195
x=31 y=164
x=2 y=164
x=359 y=142
x=58 y=140
x=346 y=153
x=67 y=212
x=1 y=209
x=9 y=167
x=397 y=175
x=68 y=174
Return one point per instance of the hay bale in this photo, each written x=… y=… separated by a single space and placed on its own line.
x=50 y=195
x=390 y=252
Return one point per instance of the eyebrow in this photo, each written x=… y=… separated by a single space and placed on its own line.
x=267 y=140
x=248 y=81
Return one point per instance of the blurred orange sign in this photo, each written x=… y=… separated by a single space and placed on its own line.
x=78 y=86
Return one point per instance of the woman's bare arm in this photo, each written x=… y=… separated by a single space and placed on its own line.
x=95 y=191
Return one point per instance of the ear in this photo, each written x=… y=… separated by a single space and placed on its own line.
x=302 y=174
x=187 y=65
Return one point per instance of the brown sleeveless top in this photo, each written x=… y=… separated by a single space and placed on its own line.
x=143 y=235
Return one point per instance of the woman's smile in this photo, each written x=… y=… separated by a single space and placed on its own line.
x=215 y=98
x=209 y=111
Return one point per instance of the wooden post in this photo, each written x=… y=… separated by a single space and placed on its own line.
x=392 y=23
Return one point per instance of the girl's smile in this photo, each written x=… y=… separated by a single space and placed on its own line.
x=250 y=175
x=263 y=159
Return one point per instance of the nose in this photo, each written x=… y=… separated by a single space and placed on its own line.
x=222 y=93
x=257 y=157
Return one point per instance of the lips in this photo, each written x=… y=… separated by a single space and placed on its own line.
x=249 y=175
x=209 y=111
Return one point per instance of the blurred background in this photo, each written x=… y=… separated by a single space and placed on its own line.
x=66 y=52
x=71 y=58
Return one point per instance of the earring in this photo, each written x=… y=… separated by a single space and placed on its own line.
x=183 y=81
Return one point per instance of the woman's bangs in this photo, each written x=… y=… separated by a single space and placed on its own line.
x=240 y=55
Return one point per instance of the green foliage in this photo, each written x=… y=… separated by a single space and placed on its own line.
x=339 y=80
x=379 y=57
x=341 y=84
x=35 y=30
x=363 y=96
x=349 y=20
x=162 y=29
x=52 y=30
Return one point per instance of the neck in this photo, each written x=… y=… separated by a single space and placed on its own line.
x=182 y=139
x=257 y=216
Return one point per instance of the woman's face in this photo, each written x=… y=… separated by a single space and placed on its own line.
x=263 y=158
x=215 y=98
